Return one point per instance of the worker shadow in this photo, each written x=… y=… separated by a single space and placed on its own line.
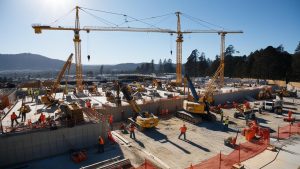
x=162 y=138
x=139 y=143
x=197 y=145
x=261 y=120
x=215 y=126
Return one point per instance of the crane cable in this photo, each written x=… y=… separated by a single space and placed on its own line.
x=99 y=18
x=87 y=46
x=201 y=21
x=51 y=23
x=120 y=14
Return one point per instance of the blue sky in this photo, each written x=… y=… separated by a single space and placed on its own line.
x=264 y=22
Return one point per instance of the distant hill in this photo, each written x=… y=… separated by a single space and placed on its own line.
x=35 y=62
x=28 y=61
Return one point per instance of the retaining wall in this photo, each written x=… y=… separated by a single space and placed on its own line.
x=23 y=147
x=235 y=96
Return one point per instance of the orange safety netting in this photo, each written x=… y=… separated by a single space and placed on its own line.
x=147 y=165
x=246 y=151
x=286 y=131
x=243 y=152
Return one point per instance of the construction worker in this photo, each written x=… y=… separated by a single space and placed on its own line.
x=222 y=115
x=131 y=129
x=226 y=122
x=42 y=118
x=13 y=118
x=110 y=120
x=23 y=113
x=182 y=132
x=100 y=145
x=88 y=103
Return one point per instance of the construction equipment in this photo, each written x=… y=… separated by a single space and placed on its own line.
x=265 y=93
x=93 y=90
x=244 y=110
x=231 y=141
x=49 y=99
x=142 y=119
x=157 y=84
x=197 y=110
x=71 y=113
x=273 y=106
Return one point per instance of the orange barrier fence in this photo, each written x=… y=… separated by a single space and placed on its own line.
x=287 y=131
x=243 y=152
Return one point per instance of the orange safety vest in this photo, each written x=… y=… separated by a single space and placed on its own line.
x=42 y=117
x=88 y=104
x=183 y=129
x=13 y=116
x=132 y=128
x=111 y=119
x=289 y=113
x=101 y=141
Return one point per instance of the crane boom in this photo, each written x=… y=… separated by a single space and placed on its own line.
x=66 y=66
x=38 y=29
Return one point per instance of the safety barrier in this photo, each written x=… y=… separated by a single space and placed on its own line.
x=241 y=153
x=287 y=131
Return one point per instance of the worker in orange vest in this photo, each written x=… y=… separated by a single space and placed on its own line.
x=88 y=104
x=13 y=118
x=131 y=129
x=42 y=118
x=110 y=121
x=100 y=145
x=182 y=132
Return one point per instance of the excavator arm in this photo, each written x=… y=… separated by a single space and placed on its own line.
x=193 y=90
x=66 y=66
x=130 y=99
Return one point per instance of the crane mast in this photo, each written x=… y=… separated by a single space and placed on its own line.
x=179 y=41
x=77 y=44
x=222 y=59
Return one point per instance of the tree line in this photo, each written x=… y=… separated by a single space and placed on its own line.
x=268 y=63
x=165 y=66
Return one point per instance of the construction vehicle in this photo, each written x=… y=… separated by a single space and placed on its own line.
x=231 y=141
x=110 y=96
x=157 y=84
x=142 y=119
x=244 y=110
x=273 y=106
x=197 y=110
x=71 y=114
x=93 y=90
x=254 y=131
x=49 y=99
x=265 y=93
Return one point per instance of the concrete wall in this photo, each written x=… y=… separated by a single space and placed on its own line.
x=235 y=96
x=153 y=107
x=174 y=104
x=19 y=148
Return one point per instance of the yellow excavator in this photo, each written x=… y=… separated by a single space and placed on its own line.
x=142 y=119
x=198 y=109
x=48 y=99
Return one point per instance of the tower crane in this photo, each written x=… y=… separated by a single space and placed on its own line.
x=179 y=41
x=77 y=41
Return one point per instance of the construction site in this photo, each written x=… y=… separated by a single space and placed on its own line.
x=149 y=121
